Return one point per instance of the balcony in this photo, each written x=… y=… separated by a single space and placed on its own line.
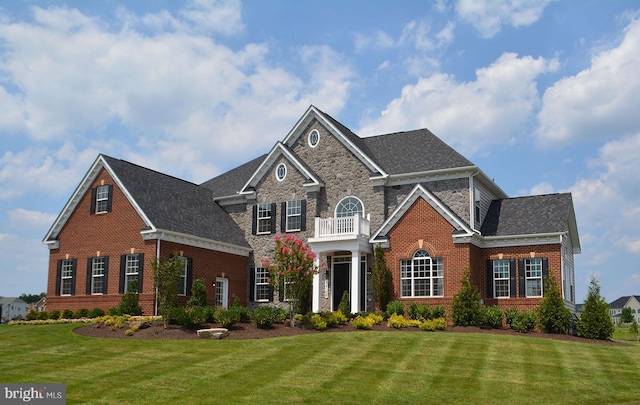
x=344 y=228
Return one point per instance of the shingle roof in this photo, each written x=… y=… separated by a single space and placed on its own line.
x=619 y=303
x=177 y=205
x=528 y=215
x=231 y=182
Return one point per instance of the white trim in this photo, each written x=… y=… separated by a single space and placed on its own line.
x=225 y=291
x=309 y=138
x=196 y=241
x=284 y=175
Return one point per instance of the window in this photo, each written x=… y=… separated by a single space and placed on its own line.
x=533 y=277
x=263 y=218
x=348 y=207
x=98 y=275
x=281 y=172
x=476 y=204
x=182 y=282
x=314 y=138
x=262 y=290
x=101 y=199
x=131 y=267
x=293 y=220
x=222 y=292
x=67 y=276
x=422 y=276
x=501 y=273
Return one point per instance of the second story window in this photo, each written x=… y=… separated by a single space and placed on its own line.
x=348 y=207
x=264 y=220
x=101 y=199
x=293 y=214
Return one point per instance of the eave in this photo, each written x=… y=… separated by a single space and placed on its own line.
x=195 y=241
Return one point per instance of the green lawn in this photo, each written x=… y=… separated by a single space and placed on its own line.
x=337 y=368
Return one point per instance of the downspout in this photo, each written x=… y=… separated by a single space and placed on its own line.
x=155 y=311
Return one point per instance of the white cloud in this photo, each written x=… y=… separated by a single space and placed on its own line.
x=21 y=218
x=469 y=115
x=597 y=102
x=29 y=261
x=489 y=16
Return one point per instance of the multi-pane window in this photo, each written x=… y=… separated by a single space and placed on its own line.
x=132 y=270
x=501 y=278
x=348 y=207
x=294 y=215
x=102 y=199
x=264 y=215
x=182 y=281
x=66 y=277
x=533 y=277
x=422 y=276
x=97 y=275
x=262 y=285
x=222 y=292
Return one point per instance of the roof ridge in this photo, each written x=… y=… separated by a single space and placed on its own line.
x=149 y=169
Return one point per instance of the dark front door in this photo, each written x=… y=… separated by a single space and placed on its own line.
x=340 y=282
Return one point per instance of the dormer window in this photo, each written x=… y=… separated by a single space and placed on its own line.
x=101 y=199
x=314 y=138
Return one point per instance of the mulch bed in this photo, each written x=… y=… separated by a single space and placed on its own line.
x=249 y=331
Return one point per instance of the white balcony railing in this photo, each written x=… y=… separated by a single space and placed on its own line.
x=341 y=227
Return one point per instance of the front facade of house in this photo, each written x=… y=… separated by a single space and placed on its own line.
x=434 y=212
x=631 y=301
x=12 y=308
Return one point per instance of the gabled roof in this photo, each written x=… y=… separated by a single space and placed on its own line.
x=231 y=182
x=11 y=300
x=461 y=228
x=622 y=301
x=165 y=203
x=532 y=215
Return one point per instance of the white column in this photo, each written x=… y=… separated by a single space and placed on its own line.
x=355 y=282
x=315 y=291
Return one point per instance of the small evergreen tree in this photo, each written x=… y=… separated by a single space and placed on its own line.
x=167 y=276
x=634 y=326
x=595 y=321
x=465 y=306
x=345 y=305
x=198 y=294
x=626 y=316
x=553 y=315
x=381 y=280
x=129 y=303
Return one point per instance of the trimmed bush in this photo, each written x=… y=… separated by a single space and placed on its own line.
x=553 y=315
x=510 y=314
x=419 y=311
x=227 y=317
x=345 y=305
x=245 y=313
x=395 y=307
x=334 y=319
x=265 y=316
x=32 y=315
x=55 y=314
x=362 y=322
x=595 y=321
x=42 y=316
x=81 y=313
x=399 y=321
x=431 y=325
x=317 y=322
x=67 y=314
x=492 y=317
x=465 y=306
x=524 y=322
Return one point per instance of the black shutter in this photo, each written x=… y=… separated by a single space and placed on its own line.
x=252 y=284
x=545 y=273
x=105 y=283
x=189 y=275
x=92 y=210
x=254 y=220
x=140 y=269
x=109 y=196
x=283 y=217
x=74 y=264
x=281 y=291
x=303 y=215
x=89 y=274
x=123 y=264
x=58 y=276
x=512 y=278
x=490 y=279
x=273 y=217
x=522 y=288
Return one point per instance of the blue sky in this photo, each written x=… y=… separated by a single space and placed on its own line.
x=544 y=96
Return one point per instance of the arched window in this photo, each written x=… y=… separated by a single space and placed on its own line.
x=348 y=207
x=422 y=276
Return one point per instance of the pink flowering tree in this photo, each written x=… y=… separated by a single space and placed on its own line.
x=291 y=270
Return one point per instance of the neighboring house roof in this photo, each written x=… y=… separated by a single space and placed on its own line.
x=165 y=203
x=539 y=214
x=622 y=301
x=11 y=300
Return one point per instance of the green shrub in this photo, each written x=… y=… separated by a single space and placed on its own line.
x=395 y=307
x=377 y=318
x=553 y=315
x=317 y=322
x=198 y=294
x=492 y=316
x=595 y=321
x=227 y=317
x=345 y=305
x=32 y=315
x=524 y=322
x=438 y=312
x=634 y=326
x=67 y=314
x=265 y=316
x=431 y=325
x=363 y=322
x=43 y=316
x=95 y=312
x=465 y=306
x=510 y=314
x=397 y=321
x=419 y=311
x=129 y=303
x=55 y=314
x=81 y=313
x=245 y=313
x=334 y=319
x=298 y=317
x=129 y=332
x=115 y=311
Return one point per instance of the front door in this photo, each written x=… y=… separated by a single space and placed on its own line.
x=340 y=282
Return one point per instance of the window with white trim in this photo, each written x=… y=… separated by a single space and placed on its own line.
x=66 y=277
x=294 y=216
x=533 y=277
x=132 y=270
x=102 y=199
x=501 y=273
x=222 y=292
x=264 y=215
x=348 y=207
x=182 y=281
x=422 y=276
x=314 y=138
x=281 y=172
x=98 y=269
x=262 y=292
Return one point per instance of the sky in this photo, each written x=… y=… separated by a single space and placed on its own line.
x=543 y=96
